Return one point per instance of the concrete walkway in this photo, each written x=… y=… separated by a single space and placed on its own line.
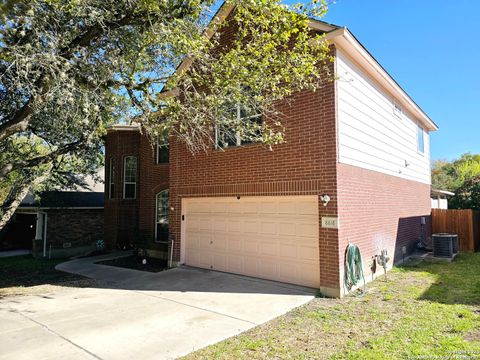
x=139 y=315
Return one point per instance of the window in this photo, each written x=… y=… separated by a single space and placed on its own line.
x=420 y=141
x=111 y=178
x=251 y=120
x=162 y=155
x=129 y=177
x=161 y=216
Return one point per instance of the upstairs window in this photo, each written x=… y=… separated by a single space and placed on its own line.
x=130 y=177
x=162 y=155
x=111 y=178
x=420 y=140
x=249 y=119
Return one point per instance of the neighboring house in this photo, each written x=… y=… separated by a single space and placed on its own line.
x=58 y=223
x=360 y=142
x=440 y=198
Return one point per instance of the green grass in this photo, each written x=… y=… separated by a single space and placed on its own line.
x=19 y=273
x=425 y=309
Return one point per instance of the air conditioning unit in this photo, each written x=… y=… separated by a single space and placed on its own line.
x=445 y=245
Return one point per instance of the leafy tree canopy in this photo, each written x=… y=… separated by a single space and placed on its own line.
x=70 y=68
x=461 y=176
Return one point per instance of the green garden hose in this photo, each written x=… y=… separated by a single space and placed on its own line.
x=353 y=268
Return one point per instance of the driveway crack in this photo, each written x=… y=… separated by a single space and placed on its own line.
x=48 y=329
x=195 y=307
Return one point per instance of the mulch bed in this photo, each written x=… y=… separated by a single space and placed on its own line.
x=134 y=262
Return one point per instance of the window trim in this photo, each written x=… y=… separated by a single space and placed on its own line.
x=237 y=134
x=111 y=178
x=156 y=215
x=130 y=182
x=420 y=128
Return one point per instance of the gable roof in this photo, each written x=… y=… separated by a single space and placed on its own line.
x=65 y=199
x=341 y=37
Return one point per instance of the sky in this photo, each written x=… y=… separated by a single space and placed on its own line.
x=432 y=49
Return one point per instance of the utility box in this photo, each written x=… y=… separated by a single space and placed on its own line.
x=445 y=245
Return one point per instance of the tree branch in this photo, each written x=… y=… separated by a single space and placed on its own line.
x=39 y=160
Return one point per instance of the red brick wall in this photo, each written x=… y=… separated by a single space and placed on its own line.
x=380 y=211
x=153 y=179
x=124 y=218
x=120 y=214
x=305 y=164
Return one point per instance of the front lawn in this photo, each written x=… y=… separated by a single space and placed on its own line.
x=22 y=275
x=425 y=309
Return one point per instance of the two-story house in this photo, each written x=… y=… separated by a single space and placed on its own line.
x=355 y=168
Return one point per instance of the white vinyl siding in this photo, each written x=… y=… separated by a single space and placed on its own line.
x=374 y=132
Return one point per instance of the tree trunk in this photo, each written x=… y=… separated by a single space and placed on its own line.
x=13 y=201
x=15 y=198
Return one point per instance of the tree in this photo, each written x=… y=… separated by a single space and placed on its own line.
x=70 y=68
x=467 y=196
x=461 y=176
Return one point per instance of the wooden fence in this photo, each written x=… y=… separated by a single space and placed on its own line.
x=464 y=223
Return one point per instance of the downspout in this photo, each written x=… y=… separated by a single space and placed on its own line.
x=45 y=234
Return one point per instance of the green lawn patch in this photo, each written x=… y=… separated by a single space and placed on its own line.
x=20 y=274
x=425 y=309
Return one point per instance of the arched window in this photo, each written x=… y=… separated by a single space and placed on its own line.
x=161 y=216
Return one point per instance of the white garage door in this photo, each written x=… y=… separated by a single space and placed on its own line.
x=268 y=237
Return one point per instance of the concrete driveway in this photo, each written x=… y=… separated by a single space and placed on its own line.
x=139 y=315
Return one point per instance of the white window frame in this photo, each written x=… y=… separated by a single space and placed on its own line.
x=130 y=182
x=156 y=216
x=111 y=177
x=237 y=135
x=420 y=128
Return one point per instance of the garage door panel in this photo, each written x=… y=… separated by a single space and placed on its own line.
x=205 y=224
x=268 y=269
x=268 y=227
x=268 y=207
x=287 y=228
x=308 y=253
x=250 y=247
x=269 y=248
x=235 y=208
x=200 y=258
x=269 y=237
x=235 y=264
x=250 y=208
x=233 y=225
x=307 y=208
x=250 y=267
x=289 y=273
x=235 y=243
x=307 y=229
x=250 y=226
x=220 y=224
x=219 y=243
x=219 y=262
x=288 y=251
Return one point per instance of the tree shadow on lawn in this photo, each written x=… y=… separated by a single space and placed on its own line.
x=26 y=271
x=457 y=282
